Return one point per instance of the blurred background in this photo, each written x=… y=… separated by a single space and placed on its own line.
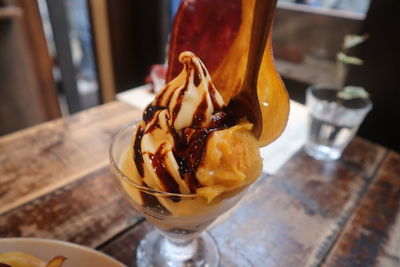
x=58 y=57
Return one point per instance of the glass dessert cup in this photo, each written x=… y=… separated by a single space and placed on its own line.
x=180 y=220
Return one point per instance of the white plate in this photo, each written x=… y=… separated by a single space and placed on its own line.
x=77 y=256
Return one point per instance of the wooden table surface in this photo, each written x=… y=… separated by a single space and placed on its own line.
x=55 y=183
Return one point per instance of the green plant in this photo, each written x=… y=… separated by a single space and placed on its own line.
x=343 y=59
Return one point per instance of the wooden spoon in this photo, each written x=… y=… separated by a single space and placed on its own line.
x=246 y=103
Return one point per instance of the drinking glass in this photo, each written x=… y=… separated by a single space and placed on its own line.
x=180 y=220
x=333 y=121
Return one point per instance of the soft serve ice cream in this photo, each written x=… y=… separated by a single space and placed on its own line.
x=188 y=144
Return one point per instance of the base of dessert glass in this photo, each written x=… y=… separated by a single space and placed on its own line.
x=155 y=250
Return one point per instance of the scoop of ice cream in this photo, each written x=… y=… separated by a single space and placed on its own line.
x=187 y=144
x=231 y=161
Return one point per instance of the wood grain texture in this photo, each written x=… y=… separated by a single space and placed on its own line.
x=362 y=155
x=88 y=212
x=290 y=219
x=123 y=247
x=55 y=183
x=372 y=236
x=41 y=159
x=293 y=218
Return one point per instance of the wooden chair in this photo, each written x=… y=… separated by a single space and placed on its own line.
x=27 y=90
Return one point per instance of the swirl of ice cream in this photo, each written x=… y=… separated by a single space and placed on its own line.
x=186 y=142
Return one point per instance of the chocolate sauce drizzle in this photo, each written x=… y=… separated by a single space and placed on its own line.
x=190 y=143
x=199 y=116
x=137 y=149
x=152 y=127
x=161 y=96
x=179 y=101
x=152 y=201
x=150 y=111
x=189 y=152
x=166 y=178
x=196 y=76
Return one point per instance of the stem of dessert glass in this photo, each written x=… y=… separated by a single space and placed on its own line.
x=179 y=250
